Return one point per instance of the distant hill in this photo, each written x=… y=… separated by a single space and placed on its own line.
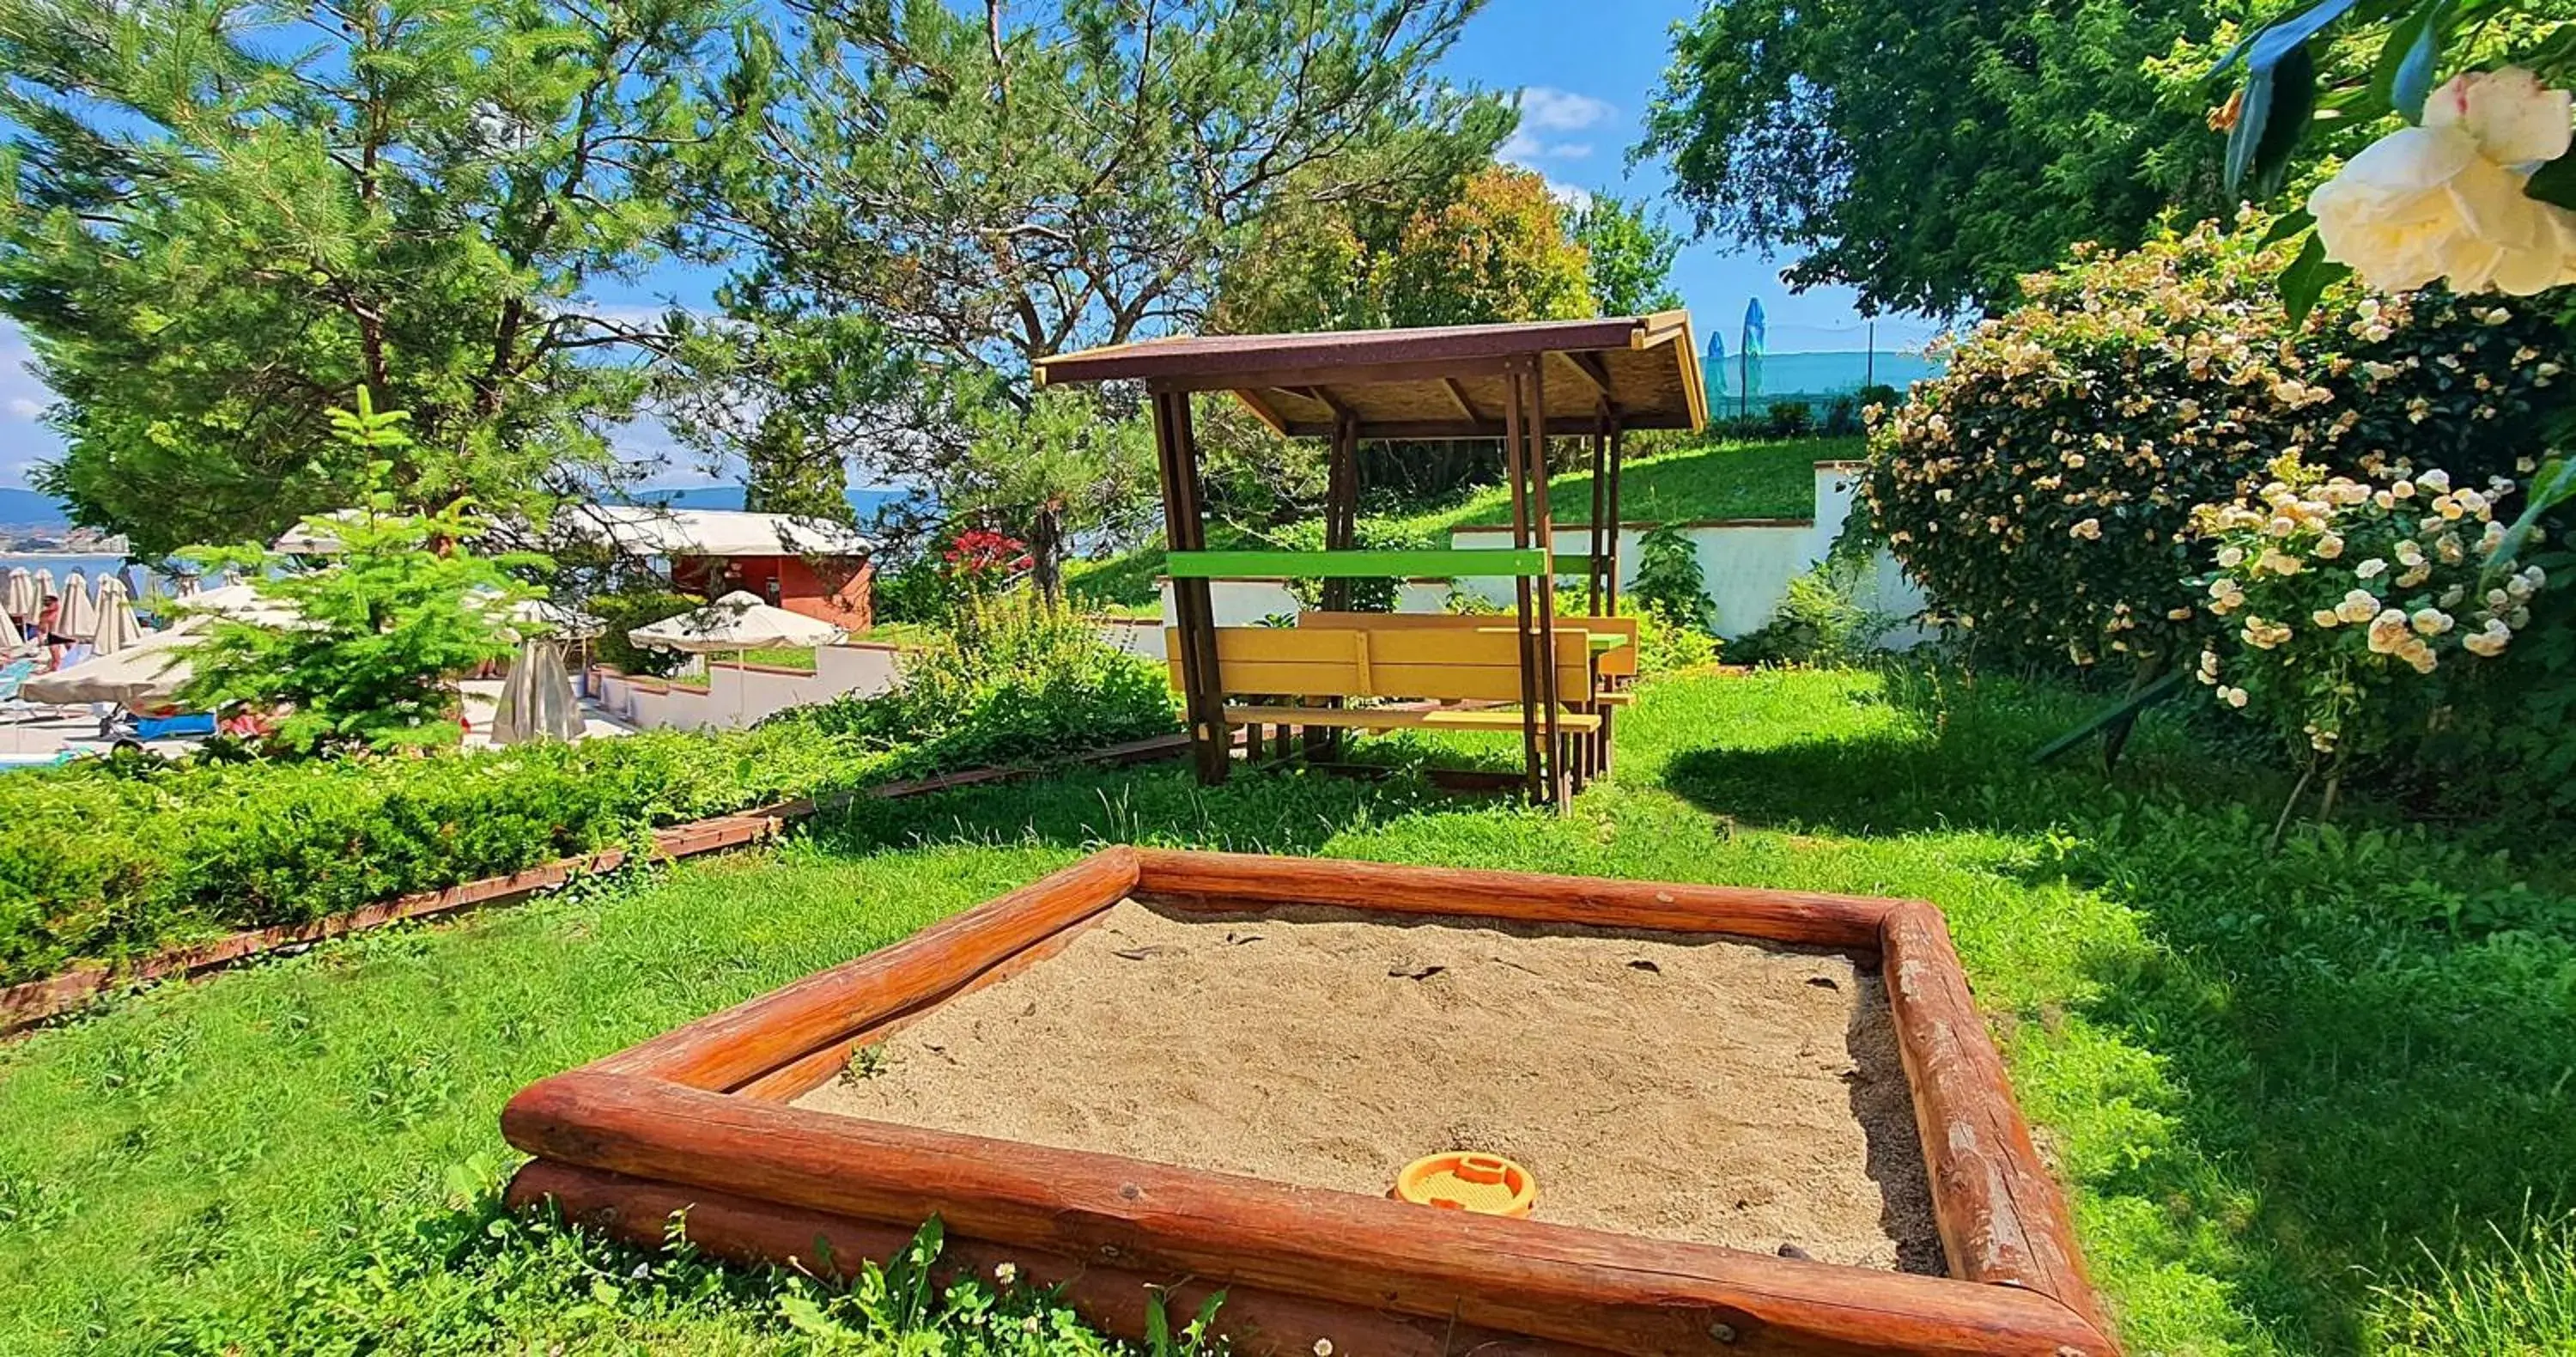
x=864 y=502
x=27 y=509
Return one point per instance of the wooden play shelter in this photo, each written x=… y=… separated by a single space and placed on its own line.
x=1566 y=674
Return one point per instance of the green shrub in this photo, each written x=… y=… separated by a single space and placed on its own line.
x=1821 y=620
x=2041 y=489
x=102 y=860
x=1016 y=681
x=108 y=859
x=1369 y=534
x=1790 y=419
x=1669 y=582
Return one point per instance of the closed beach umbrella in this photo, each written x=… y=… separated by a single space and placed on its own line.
x=116 y=627
x=18 y=597
x=44 y=589
x=537 y=702
x=80 y=613
x=147 y=673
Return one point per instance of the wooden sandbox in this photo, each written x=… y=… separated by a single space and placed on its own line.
x=737 y=1120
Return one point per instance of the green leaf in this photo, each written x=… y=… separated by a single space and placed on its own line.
x=2413 y=80
x=2554 y=182
x=2288 y=224
x=2553 y=485
x=2307 y=278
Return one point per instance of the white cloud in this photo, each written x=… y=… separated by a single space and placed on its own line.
x=1554 y=110
x=23 y=408
x=1523 y=149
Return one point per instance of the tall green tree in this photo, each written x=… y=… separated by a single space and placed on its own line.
x=375 y=636
x=224 y=215
x=1071 y=462
x=1627 y=255
x=1929 y=156
x=1001 y=184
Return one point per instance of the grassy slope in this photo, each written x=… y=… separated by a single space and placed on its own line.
x=1724 y=480
x=2275 y=1081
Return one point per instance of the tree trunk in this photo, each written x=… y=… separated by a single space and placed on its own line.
x=1046 y=553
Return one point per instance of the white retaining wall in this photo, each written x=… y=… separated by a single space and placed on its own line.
x=1747 y=563
x=735 y=696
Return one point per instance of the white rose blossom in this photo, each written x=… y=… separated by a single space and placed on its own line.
x=2445 y=200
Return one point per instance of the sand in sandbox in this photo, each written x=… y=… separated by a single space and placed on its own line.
x=1675 y=1086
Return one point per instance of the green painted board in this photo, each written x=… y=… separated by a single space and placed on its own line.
x=1327 y=565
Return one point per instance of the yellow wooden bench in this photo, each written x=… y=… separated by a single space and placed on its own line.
x=1437 y=664
x=1615 y=668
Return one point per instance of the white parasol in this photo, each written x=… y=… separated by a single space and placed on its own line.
x=116 y=628
x=80 y=615
x=18 y=597
x=239 y=603
x=148 y=672
x=738 y=621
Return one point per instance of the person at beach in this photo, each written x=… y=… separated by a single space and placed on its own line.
x=49 y=620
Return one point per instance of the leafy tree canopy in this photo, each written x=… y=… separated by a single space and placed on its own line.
x=223 y=216
x=993 y=187
x=1628 y=255
x=1928 y=157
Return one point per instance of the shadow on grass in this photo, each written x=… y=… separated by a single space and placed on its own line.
x=2362 y=1046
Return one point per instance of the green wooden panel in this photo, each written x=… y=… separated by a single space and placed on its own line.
x=1314 y=565
x=1573 y=563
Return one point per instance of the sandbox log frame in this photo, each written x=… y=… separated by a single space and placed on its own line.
x=698 y=1119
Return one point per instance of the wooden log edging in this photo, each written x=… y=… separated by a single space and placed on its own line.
x=28 y=1004
x=702 y=1120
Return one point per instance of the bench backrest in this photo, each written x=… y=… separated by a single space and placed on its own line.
x=1444 y=664
x=1619 y=662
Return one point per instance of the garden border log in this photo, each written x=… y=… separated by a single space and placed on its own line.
x=1257 y=1323
x=2002 y=1219
x=1225 y=881
x=25 y=1005
x=2017 y=1284
x=1554 y=1282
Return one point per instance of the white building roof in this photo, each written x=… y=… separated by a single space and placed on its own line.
x=651 y=530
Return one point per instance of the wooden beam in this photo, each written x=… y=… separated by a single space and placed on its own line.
x=1458 y=397
x=1358 y=374
x=1325 y=398
x=1433 y=430
x=1588 y=366
x=1263 y=409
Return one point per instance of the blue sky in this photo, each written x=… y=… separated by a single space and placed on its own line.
x=1584 y=71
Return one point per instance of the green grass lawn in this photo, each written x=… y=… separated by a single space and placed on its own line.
x=2319 y=1101
x=1772 y=479
x=1723 y=480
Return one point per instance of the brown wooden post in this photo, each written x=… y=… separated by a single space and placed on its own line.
x=1536 y=425
x=1598 y=463
x=1515 y=452
x=1341 y=533
x=1202 y=690
x=1610 y=571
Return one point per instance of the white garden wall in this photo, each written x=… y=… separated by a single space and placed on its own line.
x=737 y=696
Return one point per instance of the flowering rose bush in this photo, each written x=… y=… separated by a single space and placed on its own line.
x=2042 y=489
x=2351 y=604
x=2444 y=200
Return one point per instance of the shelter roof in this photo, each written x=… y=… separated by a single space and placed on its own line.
x=1438 y=382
